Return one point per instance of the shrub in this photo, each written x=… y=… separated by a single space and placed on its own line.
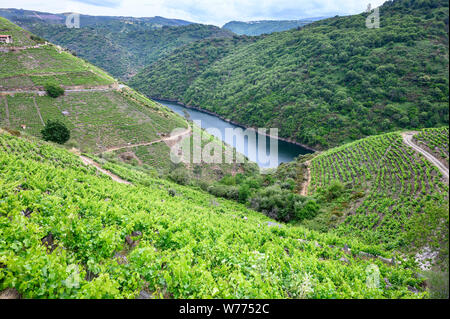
x=53 y=90
x=55 y=131
x=225 y=191
x=307 y=210
x=276 y=203
x=180 y=176
x=334 y=190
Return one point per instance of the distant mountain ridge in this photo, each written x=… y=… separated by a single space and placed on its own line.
x=254 y=28
x=85 y=20
x=120 y=45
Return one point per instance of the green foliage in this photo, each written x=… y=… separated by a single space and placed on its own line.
x=55 y=131
x=431 y=228
x=331 y=82
x=278 y=204
x=379 y=189
x=53 y=90
x=100 y=120
x=20 y=38
x=308 y=210
x=435 y=140
x=334 y=190
x=180 y=176
x=188 y=247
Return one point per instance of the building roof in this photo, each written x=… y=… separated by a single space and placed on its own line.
x=5 y=35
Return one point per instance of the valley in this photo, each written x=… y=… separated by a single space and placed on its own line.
x=128 y=198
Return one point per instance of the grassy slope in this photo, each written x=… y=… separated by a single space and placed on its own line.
x=188 y=247
x=331 y=82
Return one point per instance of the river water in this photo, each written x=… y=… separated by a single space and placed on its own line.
x=214 y=125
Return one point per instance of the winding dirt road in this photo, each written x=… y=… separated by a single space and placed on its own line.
x=305 y=185
x=407 y=139
x=170 y=138
x=90 y=162
x=65 y=91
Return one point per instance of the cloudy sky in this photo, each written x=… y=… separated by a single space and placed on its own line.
x=215 y=12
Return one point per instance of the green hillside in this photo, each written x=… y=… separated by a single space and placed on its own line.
x=186 y=65
x=331 y=82
x=95 y=238
x=127 y=44
x=100 y=115
x=390 y=184
x=254 y=28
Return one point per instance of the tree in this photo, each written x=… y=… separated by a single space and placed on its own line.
x=55 y=131
x=53 y=90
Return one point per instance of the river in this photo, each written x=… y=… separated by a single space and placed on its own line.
x=214 y=125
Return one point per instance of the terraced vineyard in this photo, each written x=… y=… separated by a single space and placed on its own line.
x=97 y=120
x=435 y=140
x=34 y=67
x=34 y=63
x=394 y=183
x=94 y=238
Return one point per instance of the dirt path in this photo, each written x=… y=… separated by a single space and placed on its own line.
x=38 y=111
x=305 y=185
x=7 y=112
x=77 y=90
x=407 y=139
x=170 y=138
x=90 y=162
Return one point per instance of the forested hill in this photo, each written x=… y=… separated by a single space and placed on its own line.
x=121 y=46
x=254 y=28
x=329 y=82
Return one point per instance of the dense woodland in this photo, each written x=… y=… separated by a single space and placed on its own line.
x=329 y=82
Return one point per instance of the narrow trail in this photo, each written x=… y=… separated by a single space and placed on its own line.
x=38 y=111
x=407 y=139
x=170 y=138
x=65 y=91
x=305 y=185
x=7 y=112
x=90 y=162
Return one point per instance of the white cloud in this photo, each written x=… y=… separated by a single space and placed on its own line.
x=215 y=12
